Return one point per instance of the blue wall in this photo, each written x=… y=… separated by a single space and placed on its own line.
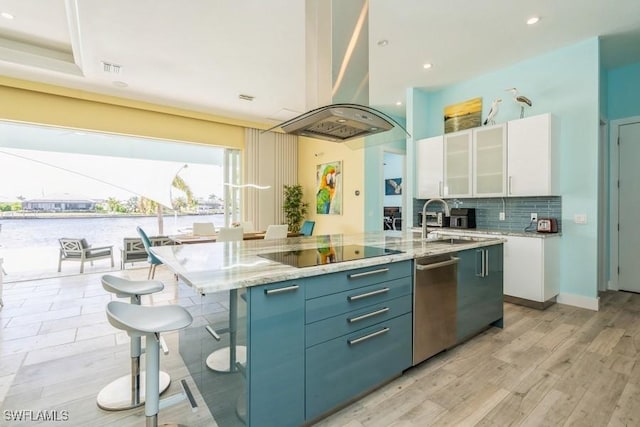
x=624 y=92
x=374 y=173
x=566 y=83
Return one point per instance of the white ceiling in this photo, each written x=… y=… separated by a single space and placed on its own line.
x=201 y=54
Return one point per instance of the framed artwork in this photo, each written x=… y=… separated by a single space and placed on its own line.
x=329 y=188
x=464 y=115
x=393 y=187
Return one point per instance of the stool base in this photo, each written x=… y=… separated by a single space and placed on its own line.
x=220 y=360
x=116 y=396
x=152 y=421
x=241 y=408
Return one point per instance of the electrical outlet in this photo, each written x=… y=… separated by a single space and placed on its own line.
x=534 y=217
x=501 y=217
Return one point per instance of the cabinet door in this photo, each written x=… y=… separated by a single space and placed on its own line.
x=276 y=355
x=529 y=156
x=523 y=268
x=457 y=164
x=430 y=167
x=480 y=294
x=489 y=161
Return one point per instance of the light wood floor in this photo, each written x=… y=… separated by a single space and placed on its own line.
x=561 y=366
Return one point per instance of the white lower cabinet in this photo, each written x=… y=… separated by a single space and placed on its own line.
x=531 y=269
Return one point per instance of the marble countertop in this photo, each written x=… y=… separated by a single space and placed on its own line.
x=214 y=267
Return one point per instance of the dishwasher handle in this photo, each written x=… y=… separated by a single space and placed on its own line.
x=453 y=260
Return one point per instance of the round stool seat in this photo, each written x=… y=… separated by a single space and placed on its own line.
x=139 y=319
x=126 y=287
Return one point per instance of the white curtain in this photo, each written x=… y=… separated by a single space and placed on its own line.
x=271 y=159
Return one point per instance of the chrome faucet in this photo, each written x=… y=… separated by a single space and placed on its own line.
x=424 y=213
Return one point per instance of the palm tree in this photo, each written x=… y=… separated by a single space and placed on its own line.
x=179 y=184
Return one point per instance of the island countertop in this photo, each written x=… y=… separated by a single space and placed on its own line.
x=214 y=267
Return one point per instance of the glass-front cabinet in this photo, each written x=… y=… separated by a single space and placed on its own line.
x=457 y=164
x=489 y=161
x=475 y=162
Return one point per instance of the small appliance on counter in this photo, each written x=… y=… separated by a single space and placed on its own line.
x=463 y=218
x=434 y=219
x=547 y=225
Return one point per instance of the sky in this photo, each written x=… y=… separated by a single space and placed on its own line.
x=34 y=174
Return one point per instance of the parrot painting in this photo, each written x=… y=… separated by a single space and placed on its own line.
x=327 y=189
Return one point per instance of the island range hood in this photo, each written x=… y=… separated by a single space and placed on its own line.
x=339 y=122
x=337 y=76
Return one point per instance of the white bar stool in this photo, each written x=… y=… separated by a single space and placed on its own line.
x=128 y=391
x=150 y=322
x=226 y=359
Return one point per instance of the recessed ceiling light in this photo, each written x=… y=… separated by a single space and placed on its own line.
x=119 y=83
x=533 y=20
x=398 y=103
x=427 y=66
x=383 y=43
x=342 y=120
x=6 y=15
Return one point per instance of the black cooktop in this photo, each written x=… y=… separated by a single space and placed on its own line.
x=327 y=254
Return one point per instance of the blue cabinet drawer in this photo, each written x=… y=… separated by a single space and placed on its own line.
x=346 y=323
x=353 y=299
x=341 y=369
x=318 y=286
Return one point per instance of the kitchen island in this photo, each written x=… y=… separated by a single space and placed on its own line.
x=319 y=336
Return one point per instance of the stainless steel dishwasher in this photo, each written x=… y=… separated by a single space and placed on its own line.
x=434 y=305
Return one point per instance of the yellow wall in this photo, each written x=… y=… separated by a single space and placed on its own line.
x=32 y=102
x=312 y=152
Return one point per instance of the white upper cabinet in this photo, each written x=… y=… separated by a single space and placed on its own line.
x=430 y=167
x=457 y=164
x=489 y=161
x=513 y=159
x=529 y=156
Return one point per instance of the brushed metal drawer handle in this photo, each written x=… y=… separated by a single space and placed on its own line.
x=367 y=273
x=366 y=316
x=368 y=336
x=281 y=290
x=367 y=294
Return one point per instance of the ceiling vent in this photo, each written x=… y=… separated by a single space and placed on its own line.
x=111 y=68
x=246 y=97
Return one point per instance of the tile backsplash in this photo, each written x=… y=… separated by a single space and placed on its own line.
x=517 y=210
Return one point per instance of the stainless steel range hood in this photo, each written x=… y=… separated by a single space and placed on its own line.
x=339 y=122
x=337 y=65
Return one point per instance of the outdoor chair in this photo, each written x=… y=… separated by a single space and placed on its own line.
x=80 y=250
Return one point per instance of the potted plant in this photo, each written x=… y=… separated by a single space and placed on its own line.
x=294 y=208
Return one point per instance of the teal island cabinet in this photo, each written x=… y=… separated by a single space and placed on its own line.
x=275 y=345
x=319 y=342
x=479 y=293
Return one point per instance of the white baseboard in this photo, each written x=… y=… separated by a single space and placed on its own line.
x=578 y=301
